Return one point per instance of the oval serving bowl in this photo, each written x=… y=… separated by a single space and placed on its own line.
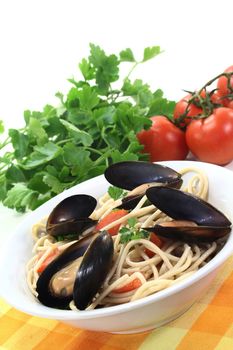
x=141 y=315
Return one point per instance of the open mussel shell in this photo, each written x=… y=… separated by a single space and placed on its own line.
x=179 y=205
x=192 y=234
x=131 y=174
x=70 y=216
x=93 y=270
x=44 y=288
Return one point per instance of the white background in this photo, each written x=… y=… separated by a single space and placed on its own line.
x=41 y=43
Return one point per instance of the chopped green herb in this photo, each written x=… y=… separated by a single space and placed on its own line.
x=116 y=192
x=131 y=233
x=69 y=237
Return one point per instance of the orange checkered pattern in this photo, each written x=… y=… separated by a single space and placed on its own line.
x=207 y=325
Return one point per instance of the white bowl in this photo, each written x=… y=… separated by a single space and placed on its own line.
x=147 y=313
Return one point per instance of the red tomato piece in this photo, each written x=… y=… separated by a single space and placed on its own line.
x=111 y=217
x=48 y=260
x=136 y=283
x=157 y=241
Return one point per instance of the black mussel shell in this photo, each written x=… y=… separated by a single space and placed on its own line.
x=93 y=270
x=45 y=294
x=192 y=234
x=74 y=228
x=129 y=202
x=180 y=205
x=131 y=174
x=70 y=216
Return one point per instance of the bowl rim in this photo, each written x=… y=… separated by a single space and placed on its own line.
x=47 y=312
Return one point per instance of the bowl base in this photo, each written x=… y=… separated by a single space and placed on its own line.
x=156 y=325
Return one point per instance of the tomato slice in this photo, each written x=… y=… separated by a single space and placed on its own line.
x=136 y=283
x=54 y=253
x=111 y=217
x=157 y=241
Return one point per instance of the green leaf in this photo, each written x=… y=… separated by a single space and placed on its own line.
x=97 y=55
x=72 y=100
x=20 y=197
x=161 y=106
x=37 y=183
x=79 y=135
x=151 y=52
x=127 y=56
x=116 y=192
x=107 y=69
x=1 y=127
x=87 y=70
x=42 y=155
x=3 y=188
x=131 y=222
x=120 y=157
x=37 y=132
x=20 y=143
x=74 y=155
x=88 y=98
x=15 y=174
x=54 y=183
x=129 y=233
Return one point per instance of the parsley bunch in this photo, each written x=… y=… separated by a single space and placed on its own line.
x=93 y=126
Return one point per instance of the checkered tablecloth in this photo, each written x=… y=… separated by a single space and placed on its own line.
x=207 y=325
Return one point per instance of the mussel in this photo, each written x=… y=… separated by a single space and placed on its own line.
x=138 y=176
x=77 y=273
x=195 y=220
x=71 y=216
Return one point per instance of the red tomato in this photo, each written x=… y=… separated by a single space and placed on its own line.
x=108 y=219
x=157 y=241
x=181 y=106
x=163 y=141
x=136 y=283
x=222 y=83
x=217 y=98
x=230 y=104
x=48 y=260
x=211 y=139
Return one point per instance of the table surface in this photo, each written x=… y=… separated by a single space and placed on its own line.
x=41 y=44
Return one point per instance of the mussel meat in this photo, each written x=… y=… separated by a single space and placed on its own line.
x=195 y=220
x=71 y=216
x=77 y=273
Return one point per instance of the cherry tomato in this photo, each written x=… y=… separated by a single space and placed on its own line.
x=211 y=139
x=222 y=83
x=163 y=141
x=230 y=104
x=218 y=99
x=108 y=219
x=181 y=106
x=157 y=241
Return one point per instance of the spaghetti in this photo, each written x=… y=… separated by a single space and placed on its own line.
x=135 y=273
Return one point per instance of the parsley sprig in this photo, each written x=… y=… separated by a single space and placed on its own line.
x=116 y=192
x=129 y=232
x=94 y=125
